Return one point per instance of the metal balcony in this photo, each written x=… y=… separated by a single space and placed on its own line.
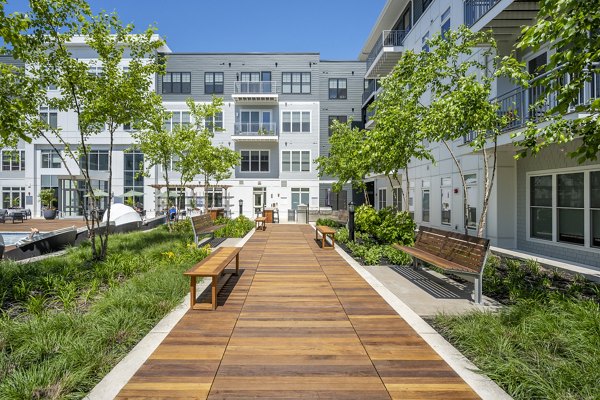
x=257 y=93
x=370 y=91
x=504 y=17
x=256 y=131
x=385 y=54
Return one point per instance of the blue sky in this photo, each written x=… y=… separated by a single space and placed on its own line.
x=335 y=28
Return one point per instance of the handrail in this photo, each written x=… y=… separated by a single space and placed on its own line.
x=475 y=9
x=369 y=90
x=388 y=38
x=256 y=87
x=255 y=129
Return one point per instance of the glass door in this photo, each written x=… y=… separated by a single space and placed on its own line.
x=260 y=199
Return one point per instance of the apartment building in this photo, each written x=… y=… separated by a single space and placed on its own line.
x=276 y=114
x=547 y=205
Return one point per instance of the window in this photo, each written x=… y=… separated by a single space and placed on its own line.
x=472 y=200
x=95 y=70
x=177 y=82
x=13 y=197
x=570 y=198
x=214 y=198
x=13 y=160
x=215 y=124
x=425 y=47
x=133 y=180
x=256 y=122
x=296 y=121
x=397 y=199
x=445 y=22
x=382 y=198
x=541 y=207
x=295 y=82
x=255 y=161
x=295 y=161
x=97 y=161
x=595 y=207
x=300 y=196
x=446 y=201
x=338 y=89
x=411 y=199
x=50 y=159
x=127 y=127
x=425 y=203
x=341 y=118
x=178 y=118
x=406 y=20
x=213 y=82
x=49 y=116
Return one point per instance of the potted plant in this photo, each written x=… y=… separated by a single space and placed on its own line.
x=47 y=198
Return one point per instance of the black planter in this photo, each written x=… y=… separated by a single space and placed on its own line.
x=49 y=214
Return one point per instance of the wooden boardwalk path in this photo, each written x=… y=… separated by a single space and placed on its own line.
x=298 y=322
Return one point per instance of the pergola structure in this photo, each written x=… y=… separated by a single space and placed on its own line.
x=193 y=187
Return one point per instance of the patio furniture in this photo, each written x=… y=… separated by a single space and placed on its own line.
x=202 y=225
x=213 y=267
x=260 y=223
x=325 y=231
x=454 y=252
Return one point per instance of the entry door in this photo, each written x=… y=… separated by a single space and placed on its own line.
x=252 y=82
x=260 y=198
x=250 y=121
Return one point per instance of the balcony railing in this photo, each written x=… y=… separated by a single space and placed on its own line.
x=258 y=87
x=522 y=105
x=369 y=90
x=475 y=9
x=255 y=129
x=387 y=39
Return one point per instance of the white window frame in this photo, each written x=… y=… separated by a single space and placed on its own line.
x=586 y=247
x=260 y=151
x=426 y=187
x=51 y=154
x=170 y=123
x=291 y=131
x=20 y=164
x=444 y=185
x=397 y=198
x=47 y=112
x=382 y=198
x=470 y=201
x=291 y=170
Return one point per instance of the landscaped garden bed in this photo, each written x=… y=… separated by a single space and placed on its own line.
x=65 y=322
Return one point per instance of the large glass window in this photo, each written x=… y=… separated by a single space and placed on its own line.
x=295 y=161
x=13 y=197
x=133 y=179
x=49 y=116
x=541 y=207
x=254 y=161
x=570 y=200
x=296 y=121
x=295 y=82
x=338 y=88
x=177 y=82
x=178 y=118
x=13 y=160
x=97 y=160
x=446 y=201
x=382 y=198
x=213 y=83
x=50 y=159
x=595 y=207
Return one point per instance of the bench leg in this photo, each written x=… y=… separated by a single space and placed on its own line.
x=333 y=241
x=215 y=283
x=477 y=289
x=192 y=291
x=237 y=264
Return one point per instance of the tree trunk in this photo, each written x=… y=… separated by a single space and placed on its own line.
x=407 y=193
x=104 y=240
x=166 y=177
x=488 y=185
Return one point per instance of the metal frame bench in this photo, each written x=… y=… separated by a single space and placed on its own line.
x=202 y=225
x=461 y=254
x=213 y=266
x=325 y=231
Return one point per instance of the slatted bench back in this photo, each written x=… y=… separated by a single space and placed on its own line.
x=468 y=251
x=201 y=222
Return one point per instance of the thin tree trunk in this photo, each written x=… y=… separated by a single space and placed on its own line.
x=488 y=185
x=464 y=187
x=166 y=177
x=110 y=173
x=407 y=193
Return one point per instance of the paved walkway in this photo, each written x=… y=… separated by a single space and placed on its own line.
x=298 y=322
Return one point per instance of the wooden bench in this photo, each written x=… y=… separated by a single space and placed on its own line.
x=325 y=231
x=213 y=266
x=202 y=225
x=455 y=252
x=260 y=223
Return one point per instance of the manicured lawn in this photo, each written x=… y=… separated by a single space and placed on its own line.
x=545 y=342
x=66 y=322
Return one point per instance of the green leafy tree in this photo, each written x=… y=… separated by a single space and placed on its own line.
x=572 y=27
x=102 y=101
x=459 y=72
x=348 y=160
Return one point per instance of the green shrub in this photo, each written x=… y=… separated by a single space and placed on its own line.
x=366 y=219
x=329 y=222
x=342 y=235
x=395 y=256
x=235 y=228
x=395 y=227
